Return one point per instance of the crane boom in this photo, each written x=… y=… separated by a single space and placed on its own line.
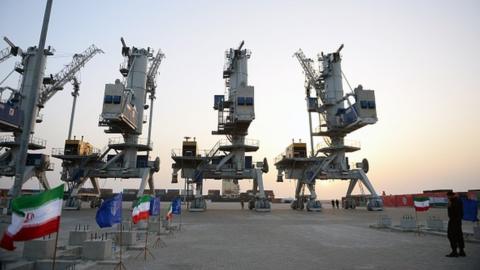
x=153 y=70
x=5 y=54
x=9 y=51
x=306 y=63
x=67 y=73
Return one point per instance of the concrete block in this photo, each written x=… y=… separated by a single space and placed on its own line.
x=97 y=249
x=59 y=265
x=154 y=226
x=76 y=238
x=129 y=238
x=384 y=221
x=141 y=225
x=127 y=225
x=22 y=265
x=476 y=232
x=434 y=223
x=39 y=249
x=408 y=222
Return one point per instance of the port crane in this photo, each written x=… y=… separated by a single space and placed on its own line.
x=15 y=103
x=124 y=103
x=226 y=159
x=338 y=115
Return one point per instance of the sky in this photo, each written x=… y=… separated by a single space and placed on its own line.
x=420 y=57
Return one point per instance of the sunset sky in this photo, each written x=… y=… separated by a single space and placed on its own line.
x=422 y=58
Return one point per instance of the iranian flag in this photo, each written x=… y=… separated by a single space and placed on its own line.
x=141 y=210
x=421 y=203
x=34 y=216
x=169 y=215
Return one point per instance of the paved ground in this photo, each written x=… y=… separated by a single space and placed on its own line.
x=225 y=237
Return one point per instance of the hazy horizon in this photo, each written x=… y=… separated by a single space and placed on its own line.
x=421 y=59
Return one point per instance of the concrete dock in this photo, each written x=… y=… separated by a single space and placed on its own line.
x=226 y=237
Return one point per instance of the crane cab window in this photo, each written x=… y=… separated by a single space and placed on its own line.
x=241 y=101
x=117 y=99
x=108 y=99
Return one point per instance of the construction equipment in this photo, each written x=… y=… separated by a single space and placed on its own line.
x=339 y=114
x=14 y=116
x=124 y=103
x=226 y=160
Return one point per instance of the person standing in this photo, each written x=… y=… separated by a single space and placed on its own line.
x=242 y=203
x=454 y=231
x=333 y=204
x=336 y=203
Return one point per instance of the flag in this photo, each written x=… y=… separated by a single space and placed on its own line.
x=34 y=216
x=110 y=212
x=177 y=206
x=169 y=215
x=155 y=206
x=421 y=204
x=470 y=210
x=141 y=209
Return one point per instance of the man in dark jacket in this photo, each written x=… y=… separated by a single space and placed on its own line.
x=454 y=232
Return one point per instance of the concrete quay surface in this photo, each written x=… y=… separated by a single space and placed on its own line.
x=226 y=237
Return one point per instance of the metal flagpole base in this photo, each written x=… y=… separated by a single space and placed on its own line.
x=159 y=243
x=145 y=251
x=120 y=266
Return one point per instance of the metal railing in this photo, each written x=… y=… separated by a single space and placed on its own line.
x=346 y=142
x=61 y=151
x=177 y=152
x=249 y=142
x=120 y=140
x=33 y=140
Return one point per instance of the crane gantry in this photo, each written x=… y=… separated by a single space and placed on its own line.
x=338 y=115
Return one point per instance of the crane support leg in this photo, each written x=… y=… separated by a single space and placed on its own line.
x=375 y=202
x=151 y=183
x=42 y=178
x=28 y=173
x=261 y=202
x=297 y=204
x=145 y=172
x=313 y=205
x=198 y=204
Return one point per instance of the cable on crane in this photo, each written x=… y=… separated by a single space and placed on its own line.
x=11 y=72
x=345 y=78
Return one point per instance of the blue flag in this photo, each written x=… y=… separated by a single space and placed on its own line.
x=470 y=210
x=110 y=212
x=177 y=206
x=155 y=206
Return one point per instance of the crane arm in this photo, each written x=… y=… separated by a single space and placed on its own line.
x=153 y=71
x=311 y=74
x=9 y=51
x=67 y=73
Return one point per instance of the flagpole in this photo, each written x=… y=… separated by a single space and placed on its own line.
x=146 y=240
x=180 y=227
x=121 y=241
x=55 y=249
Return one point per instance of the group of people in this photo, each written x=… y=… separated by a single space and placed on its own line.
x=335 y=203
